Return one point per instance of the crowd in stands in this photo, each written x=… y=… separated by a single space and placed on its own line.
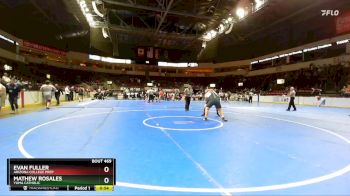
x=333 y=51
x=330 y=80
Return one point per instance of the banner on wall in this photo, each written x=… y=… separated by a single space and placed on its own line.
x=342 y=23
x=140 y=52
x=43 y=48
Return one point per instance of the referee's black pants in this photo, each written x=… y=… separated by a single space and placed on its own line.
x=250 y=100
x=291 y=103
x=188 y=102
x=57 y=96
x=13 y=102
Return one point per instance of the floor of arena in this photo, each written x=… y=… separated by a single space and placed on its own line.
x=162 y=150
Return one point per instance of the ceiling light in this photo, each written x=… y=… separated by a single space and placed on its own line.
x=94 y=57
x=207 y=36
x=167 y=64
x=192 y=64
x=280 y=81
x=86 y=12
x=221 y=28
x=213 y=33
x=258 y=4
x=105 y=33
x=229 y=29
x=94 y=6
x=240 y=12
x=7 y=67
x=83 y=4
x=342 y=42
x=7 y=39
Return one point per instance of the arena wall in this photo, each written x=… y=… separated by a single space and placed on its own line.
x=308 y=101
x=35 y=98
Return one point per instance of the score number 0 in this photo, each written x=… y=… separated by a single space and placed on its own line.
x=106 y=170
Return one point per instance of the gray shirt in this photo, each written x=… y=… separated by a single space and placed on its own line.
x=47 y=89
x=292 y=93
x=188 y=92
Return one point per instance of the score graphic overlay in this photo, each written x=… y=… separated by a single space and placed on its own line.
x=96 y=174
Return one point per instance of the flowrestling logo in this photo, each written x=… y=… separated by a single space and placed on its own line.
x=330 y=12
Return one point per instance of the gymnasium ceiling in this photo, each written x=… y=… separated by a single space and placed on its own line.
x=170 y=24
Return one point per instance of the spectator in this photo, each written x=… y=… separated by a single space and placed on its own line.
x=71 y=94
x=58 y=93
x=161 y=94
x=47 y=89
x=2 y=95
x=13 y=90
x=250 y=100
x=150 y=93
x=291 y=99
x=344 y=91
x=5 y=79
x=67 y=92
x=81 y=94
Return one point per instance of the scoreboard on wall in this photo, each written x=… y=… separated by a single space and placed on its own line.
x=148 y=53
x=97 y=174
x=153 y=54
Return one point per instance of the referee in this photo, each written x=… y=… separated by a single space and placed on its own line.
x=188 y=94
x=291 y=99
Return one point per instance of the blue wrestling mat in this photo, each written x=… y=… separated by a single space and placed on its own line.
x=162 y=150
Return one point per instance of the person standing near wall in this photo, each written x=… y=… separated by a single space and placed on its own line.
x=291 y=99
x=58 y=93
x=13 y=90
x=5 y=79
x=150 y=93
x=71 y=93
x=222 y=94
x=250 y=100
x=177 y=95
x=2 y=95
x=67 y=92
x=161 y=95
x=81 y=93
